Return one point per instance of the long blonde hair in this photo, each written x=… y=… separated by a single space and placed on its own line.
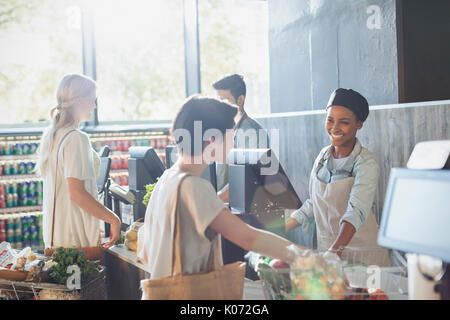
x=72 y=90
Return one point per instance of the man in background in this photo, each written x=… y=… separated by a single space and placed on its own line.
x=249 y=134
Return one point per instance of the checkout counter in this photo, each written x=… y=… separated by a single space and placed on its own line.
x=415 y=195
x=144 y=167
x=260 y=194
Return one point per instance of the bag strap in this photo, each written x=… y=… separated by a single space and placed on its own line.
x=177 y=267
x=54 y=193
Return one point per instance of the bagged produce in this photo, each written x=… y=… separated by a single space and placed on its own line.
x=6 y=254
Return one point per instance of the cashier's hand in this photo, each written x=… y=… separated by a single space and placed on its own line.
x=114 y=234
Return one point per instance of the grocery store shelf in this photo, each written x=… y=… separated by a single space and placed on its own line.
x=18 y=157
x=118 y=171
x=19 y=177
x=21 y=209
x=118 y=153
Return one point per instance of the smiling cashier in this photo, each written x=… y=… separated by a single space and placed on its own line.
x=343 y=183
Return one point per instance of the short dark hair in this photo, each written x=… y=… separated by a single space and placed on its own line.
x=235 y=83
x=213 y=114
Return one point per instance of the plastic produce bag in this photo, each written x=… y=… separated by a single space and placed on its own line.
x=6 y=254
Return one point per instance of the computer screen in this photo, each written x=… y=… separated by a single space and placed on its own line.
x=144 y=167
x=105 y=165
x=416 y=213
x=259 y=182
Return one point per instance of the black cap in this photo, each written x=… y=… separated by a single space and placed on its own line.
x=352 y=100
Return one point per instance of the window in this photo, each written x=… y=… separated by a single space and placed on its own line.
x=40 y=42
x=140 y=58
x=234 y=39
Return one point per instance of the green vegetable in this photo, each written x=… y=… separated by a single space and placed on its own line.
x=66 y=257
x=149 y=188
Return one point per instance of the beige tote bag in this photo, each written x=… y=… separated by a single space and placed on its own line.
x=222 y=283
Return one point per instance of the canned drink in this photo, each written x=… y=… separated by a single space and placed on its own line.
x=39 y=225
x=22 y=168
x=2 y=234
x=33 y=147
x=29 y=167
x=9 y=200
x=6 y=168
x=15 y=200
x=10 y=237
x=18 y=233
x=34 y=235
x=2 y=149
x=25 y=231
x=23 y=187
x=124 y=180
x=14 y=187
x=40 y=186
x=10 y=230
x=39 y=198
x=14 y=167
x=31 y=199
x=26 y=148
x=23 y=199
x=1 y=169
x=2 y=229
x=8 y=188
x=32 y=187
x=18 y=150
x=9 y=149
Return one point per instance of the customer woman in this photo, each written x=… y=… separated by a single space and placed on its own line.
x=71 y=212
x=343 y=183
x=203 y=216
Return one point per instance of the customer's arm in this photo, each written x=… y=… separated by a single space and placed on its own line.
x=252 y=239
x=85 y=201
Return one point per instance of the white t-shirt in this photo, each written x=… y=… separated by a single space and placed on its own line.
x=73 y=226
x=199 y=205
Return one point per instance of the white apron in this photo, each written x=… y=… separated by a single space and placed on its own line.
x=330 y=202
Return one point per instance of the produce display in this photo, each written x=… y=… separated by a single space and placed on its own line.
x=310 y=278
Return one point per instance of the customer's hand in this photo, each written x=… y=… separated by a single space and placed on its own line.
x=114 y=233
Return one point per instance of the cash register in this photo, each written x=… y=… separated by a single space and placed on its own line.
x=260 y=194
x=416 y=219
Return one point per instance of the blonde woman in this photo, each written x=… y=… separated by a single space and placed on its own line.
x=67 y=164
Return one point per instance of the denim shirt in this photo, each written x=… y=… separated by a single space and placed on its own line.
x=362 y=165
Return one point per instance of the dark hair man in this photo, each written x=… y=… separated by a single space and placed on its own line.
x=249 y=134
